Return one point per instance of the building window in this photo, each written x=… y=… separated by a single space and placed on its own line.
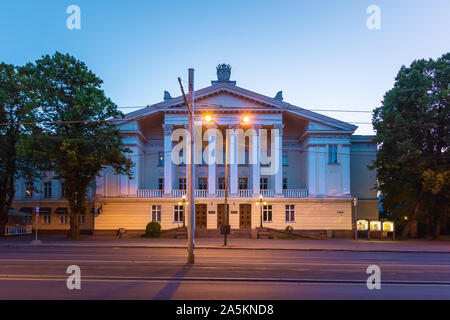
x=202 y=183
x=178 y=213
x=284 y=158
x=284 y=183
x=290 y=213
x=332 y=153
x=182 y=183
x=267 y=213
x=29 y=190
x=48 y=189
x=63 y=219
x=156 y=213
x=161 y=183
x=263 y=184
x=46 y=219
x=221 y=184
x=161 y=159
x=82 y=219
x=243 y=183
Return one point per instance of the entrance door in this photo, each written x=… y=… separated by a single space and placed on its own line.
x=245 y=216
x=221 y=215
x=200 y=216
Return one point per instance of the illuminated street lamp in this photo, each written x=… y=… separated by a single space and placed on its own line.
x=245 y=120
x=261 y=203
x=183 y=203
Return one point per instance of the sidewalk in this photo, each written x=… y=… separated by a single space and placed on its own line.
x=236 y=243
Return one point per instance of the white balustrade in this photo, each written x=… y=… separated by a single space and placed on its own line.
x=220 y=193
x=149 y=193
x=245 y=193
x=295 y=193
x=201 y=193
x=17 y=230
x=267 y=193
x=178 y=193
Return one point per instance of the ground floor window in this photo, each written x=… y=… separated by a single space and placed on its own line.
x=46 y=219
x=82 y=219
x=290 y=212
x=63 y=219
x=178 y=213
x=156 y=213
x=267 y=213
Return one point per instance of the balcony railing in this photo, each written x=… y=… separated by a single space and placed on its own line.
x=149 y=193
x=295 y=193
x=245 y=193
x=201 y=193
x=267 y=193
x=178 y=193
x=220 y=193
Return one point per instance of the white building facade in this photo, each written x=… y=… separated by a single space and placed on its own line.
x=307 y=167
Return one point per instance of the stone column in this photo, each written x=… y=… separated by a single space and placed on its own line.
x=168 y=165
x=278 y=132
x=311 y=169
x=136 y=157
x=233 y=160
x=344 y=154
x=255 y=160
x=212 y=131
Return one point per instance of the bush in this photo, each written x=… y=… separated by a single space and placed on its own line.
x=289 y=230
x=153 y=230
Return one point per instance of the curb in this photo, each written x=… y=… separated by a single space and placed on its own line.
x=14 y=246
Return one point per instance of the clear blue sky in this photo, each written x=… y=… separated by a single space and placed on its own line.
x=320 y=53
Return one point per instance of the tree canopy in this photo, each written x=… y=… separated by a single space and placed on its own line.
x=412 y=131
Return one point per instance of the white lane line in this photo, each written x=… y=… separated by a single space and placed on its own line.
x=224 y=262
x=219 y=280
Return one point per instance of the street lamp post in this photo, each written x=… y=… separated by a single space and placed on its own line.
x=183 y=203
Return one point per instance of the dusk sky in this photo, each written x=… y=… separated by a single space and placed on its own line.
x=319 y=53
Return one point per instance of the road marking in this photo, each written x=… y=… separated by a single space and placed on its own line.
x=225 y=262
x=218 y=280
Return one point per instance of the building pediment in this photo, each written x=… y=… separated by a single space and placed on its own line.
x=223 y=97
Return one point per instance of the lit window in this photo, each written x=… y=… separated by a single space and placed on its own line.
x=267 y=213
x=290 y=213
x=178 y=213
x=243 y=183
x=156 y=213
x=202 y=183
x=161 y=159
x=332 y=153
x=29 y=190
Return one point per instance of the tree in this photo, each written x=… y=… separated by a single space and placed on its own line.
x=78 y=141
x=413 y=131
x=15 y=109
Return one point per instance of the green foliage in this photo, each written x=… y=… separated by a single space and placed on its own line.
x=412 y=131
x=289 y=230
x=15 y=109
x=76 y=141
x=153 y=230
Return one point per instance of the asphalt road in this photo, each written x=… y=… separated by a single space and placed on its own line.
x=140 y=273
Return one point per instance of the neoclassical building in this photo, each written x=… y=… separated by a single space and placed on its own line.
x=306 y=166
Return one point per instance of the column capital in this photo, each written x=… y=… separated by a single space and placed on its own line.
x=257 y=127
x=280 y=127
x=168 y=129
x=211 y=126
